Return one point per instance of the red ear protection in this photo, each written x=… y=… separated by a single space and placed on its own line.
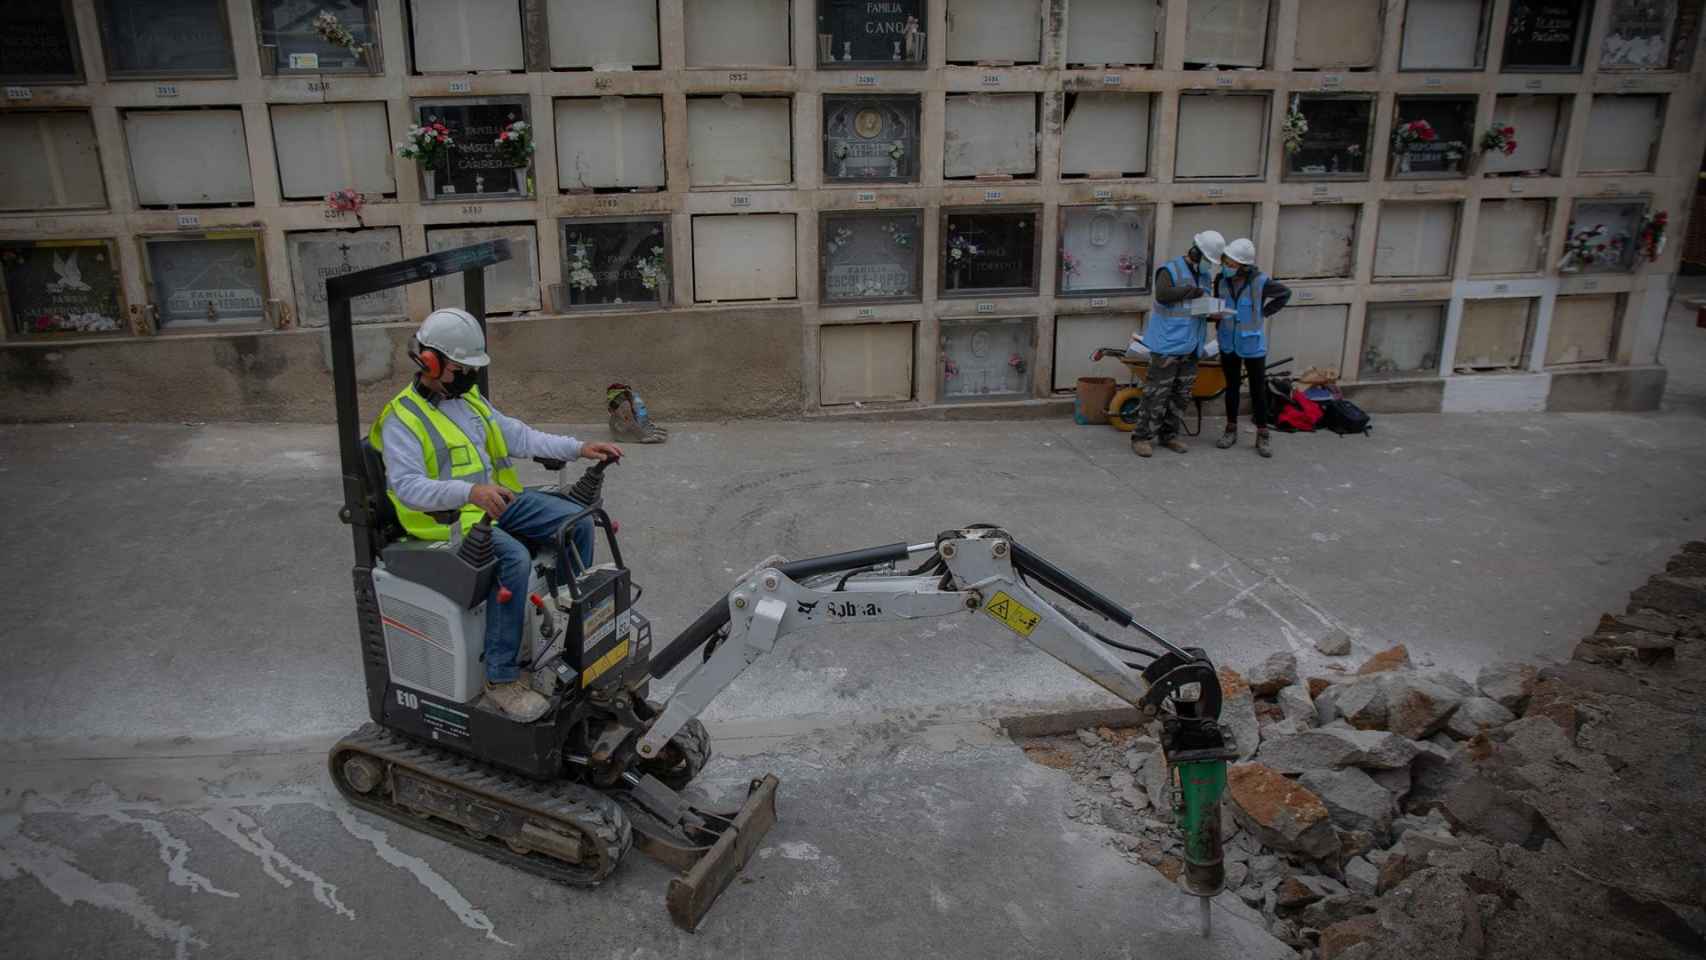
x=430 y=361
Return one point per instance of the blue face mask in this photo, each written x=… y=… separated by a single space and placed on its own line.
x=1229 y=272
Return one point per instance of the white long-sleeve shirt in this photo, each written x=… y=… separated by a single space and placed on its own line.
x=405 y=463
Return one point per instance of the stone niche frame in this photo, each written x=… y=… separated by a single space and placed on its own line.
x=633 y=133
x=1419 y=356
x=1433 y=161
x=523 y=236
x=51 y=165
x=412 y=18
x=888 y=120
x=1257 y=102
x=426 y=108
x=1620 y=254
x=1500 y=352
x=68 y=43
x=1344 y=146
x=1342 y=16
x=1077 y=334
x=566 y=230
x=377 y=176
x=148 y=244
x=974 y=125
x=1495 y=221
x=740 y=141
x=562 y=34
x=841 y=23
x=719 y=55
x=109 y=31
x=1631 y=40
x=193 y=165
x=1567 y=331
x=854 y=362
x=278 y=60
x=1415 y=222
x=13 y=302
x=989 y=345
x=730 y=265
x=953 y=218
x=1522 y=111
x=1426 y=21
x=1099 y=112
x=1317 y=256
x=995 y=25
x=1604 y=149
x=1120 y=218
x=331 y=251
x=1531 y=44
x=1199 y=39
x=854 y=229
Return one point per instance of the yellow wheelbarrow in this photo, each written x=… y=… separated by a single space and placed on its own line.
x=1122 y=409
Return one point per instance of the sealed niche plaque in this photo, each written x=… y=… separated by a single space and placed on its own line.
x=313 y=36
x=1431 y=136
x=1643 y=35
x=989 y=250
x=987 y=359
x=319 y=255
x=1402 y=340
x=1494 y=334
x=1445 y=35
x=512 y=286
x=62 y=286
x=870 y=138
x=206 y=281
x=474 y=168
x=1601 y=236
x=871 y=256
x=50 y=161
x=1106 y=248
x=38 y=41
x=1335 y=139
x=1545 y=34
x=166 y=38
x=616 y=262
x=870 y=33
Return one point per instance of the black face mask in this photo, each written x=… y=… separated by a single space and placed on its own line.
x=460 y=383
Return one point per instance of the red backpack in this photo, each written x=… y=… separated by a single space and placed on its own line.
x=1300 y=414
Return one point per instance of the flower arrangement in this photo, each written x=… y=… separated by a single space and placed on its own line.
x=1414 y=132
x=1651 y=242
x=960 y=249
x=333 y=31
x=581 y=275
x=897 y=151
x=1294 y=127
x=841 y=238
x=1068 y=263
x=651 y=269
x=428 y=145
x=346 y=200
x=1017 y=362
x=1592 y=247
x=515 y=144
x=898 y=234
x=1499 y=139
x=1128 y=266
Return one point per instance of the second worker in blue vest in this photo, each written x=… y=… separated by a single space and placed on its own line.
x=1251 y=298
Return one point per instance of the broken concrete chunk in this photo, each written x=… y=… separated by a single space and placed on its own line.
x=1475 y=715
x=1354 y=843
x=1273 y=674
x=1417 y=708
x=1637 y=645
x=1340 y=939
x=1360 y=701
x=1316 y=685
x=1297 y=711
x=1089 y=738
x=1677 y=596
x=1281 y=813
x=1336 y=908
x=1451 y=681
x=1293 y=895
x=1336 y=643
x=1481 y=807
x=1389 y=659
x=1354 y=801
x=1361 y=875
x=1235 y=875
x=1252 y=896
x=1238 y=712
x=1509 y=684
x=1333 y=747
x=1396 y=782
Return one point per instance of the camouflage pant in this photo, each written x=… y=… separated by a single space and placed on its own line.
x=1169 y=384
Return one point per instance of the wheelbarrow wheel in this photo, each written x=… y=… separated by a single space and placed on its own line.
x=1123 y=409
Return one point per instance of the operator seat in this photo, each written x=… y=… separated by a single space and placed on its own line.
x=431 y=564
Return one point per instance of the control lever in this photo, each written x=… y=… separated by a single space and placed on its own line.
x=587 y=489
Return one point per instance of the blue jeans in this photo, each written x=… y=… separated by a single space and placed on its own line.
x=533 y=517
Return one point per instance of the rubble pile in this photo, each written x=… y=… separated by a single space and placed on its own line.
x=1397 y=812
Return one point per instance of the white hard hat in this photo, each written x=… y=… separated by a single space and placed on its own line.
x=1241 y=251
x=1211 y=243
x=455 y=333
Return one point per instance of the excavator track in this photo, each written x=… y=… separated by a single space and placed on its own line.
x=558 y=830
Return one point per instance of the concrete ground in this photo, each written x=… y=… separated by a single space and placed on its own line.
x=180 y=651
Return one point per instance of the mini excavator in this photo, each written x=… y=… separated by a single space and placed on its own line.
x=605 y=769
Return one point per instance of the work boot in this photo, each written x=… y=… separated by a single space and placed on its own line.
x=1227 y=439
x=628 y=417
x=1262 y=448
x=516 y=700
x=1142 y=448
x=1175 y=444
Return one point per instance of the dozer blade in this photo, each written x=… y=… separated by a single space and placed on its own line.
x=691 y=894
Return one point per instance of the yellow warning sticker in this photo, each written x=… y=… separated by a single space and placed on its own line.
x=616 y=655
x=1012 y=614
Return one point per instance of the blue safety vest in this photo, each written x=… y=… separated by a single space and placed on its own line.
x=1245 y=335
x=1172 y=330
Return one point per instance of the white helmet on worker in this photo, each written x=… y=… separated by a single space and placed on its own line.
x=456 y=335
x=1211 y=243
x=1241 y=252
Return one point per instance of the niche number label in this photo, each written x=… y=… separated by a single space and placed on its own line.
x=19 y=93
x=865 y=80
x=461 y=86
x=986 y=308
x=165 y=89
x=991 y=195
x=865 y=196
x=741 y=200
x=189 y=220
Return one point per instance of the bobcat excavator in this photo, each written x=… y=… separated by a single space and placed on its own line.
x=604 y=769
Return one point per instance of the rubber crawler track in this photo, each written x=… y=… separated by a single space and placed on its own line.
x=598 y=820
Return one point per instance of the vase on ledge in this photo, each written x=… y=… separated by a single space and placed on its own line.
x=431 y=177
x=521 y=180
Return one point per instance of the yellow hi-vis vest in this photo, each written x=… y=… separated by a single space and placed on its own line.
x=448 y=454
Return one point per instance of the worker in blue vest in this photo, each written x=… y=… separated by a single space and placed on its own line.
x=1251 y=298
x=1175 y=340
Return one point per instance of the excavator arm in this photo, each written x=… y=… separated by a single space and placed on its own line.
x=984 y=572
